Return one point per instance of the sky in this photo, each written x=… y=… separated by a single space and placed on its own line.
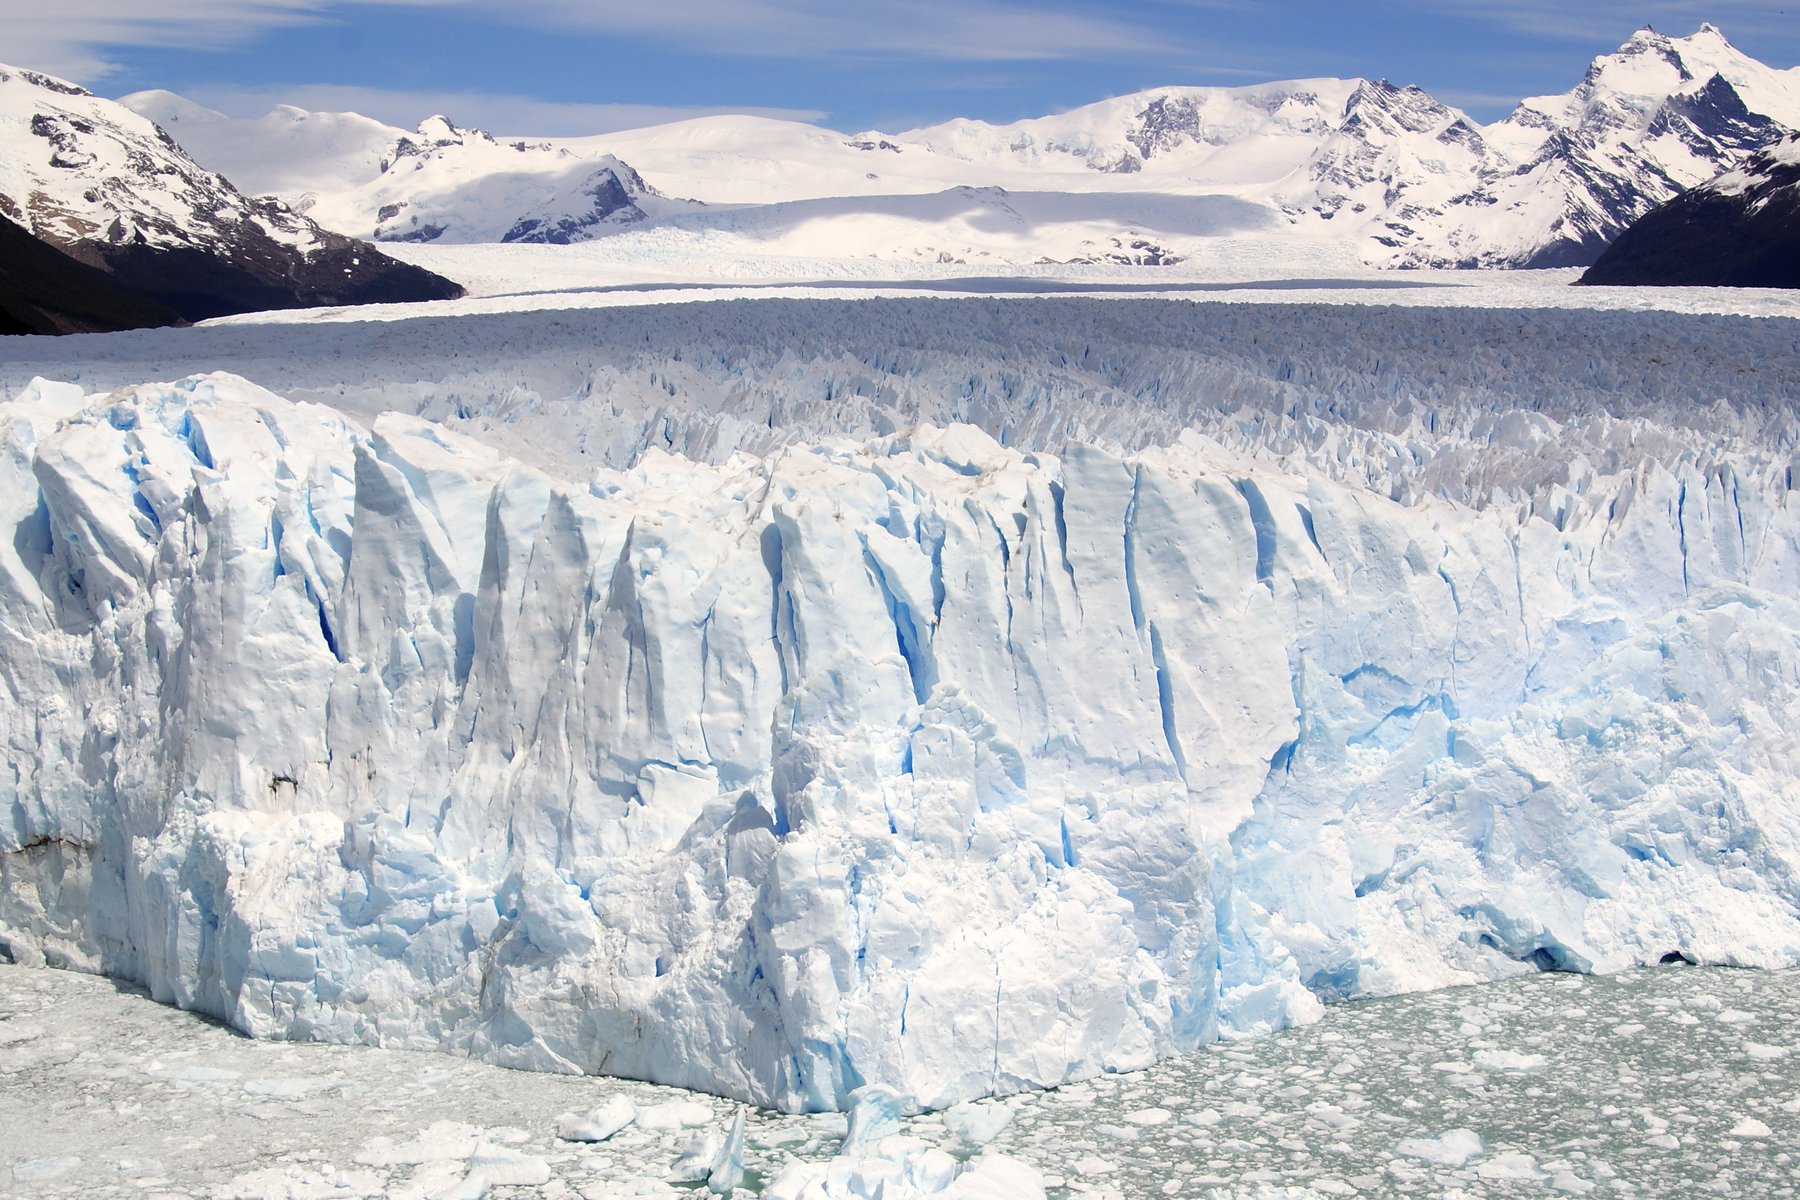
x=564 y=67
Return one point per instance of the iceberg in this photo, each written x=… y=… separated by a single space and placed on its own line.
x=918 y=767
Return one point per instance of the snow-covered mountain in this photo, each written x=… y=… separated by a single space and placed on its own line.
x=1739 y=229
x=1389 y=173
x=464 y=185
x=1659 y=116
x=111 y=189
x=370 y=180
x=1219 y=136
x=1415 y=182
x=287 y=152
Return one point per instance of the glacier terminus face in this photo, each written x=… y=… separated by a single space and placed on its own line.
x=922 y=761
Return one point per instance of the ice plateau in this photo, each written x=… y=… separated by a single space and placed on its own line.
x=923 y=762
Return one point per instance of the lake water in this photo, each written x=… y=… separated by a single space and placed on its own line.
x=1676 y=1081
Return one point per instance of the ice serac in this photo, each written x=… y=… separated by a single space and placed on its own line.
x=901 y=772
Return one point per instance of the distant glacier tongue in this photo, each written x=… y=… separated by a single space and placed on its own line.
x=923 y=763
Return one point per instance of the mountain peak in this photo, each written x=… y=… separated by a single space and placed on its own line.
x=439 y=128
x=1708 y=37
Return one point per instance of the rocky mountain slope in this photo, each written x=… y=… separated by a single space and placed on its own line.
x=107 y=187
x=43 y=290
x=1741 y=229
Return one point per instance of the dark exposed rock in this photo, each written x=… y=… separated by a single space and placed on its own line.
x=1741 y=229
x=43 y=290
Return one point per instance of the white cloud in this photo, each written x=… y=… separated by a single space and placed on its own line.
x=73 y=37
x=502 y=115
x=966 y=30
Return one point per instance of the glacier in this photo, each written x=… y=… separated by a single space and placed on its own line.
x=914 y=761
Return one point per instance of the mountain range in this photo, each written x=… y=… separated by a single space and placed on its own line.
x=185 y=213
x=1388 y=173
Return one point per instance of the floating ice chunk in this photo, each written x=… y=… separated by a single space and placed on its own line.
x=1452 y=1148
x=442 y=1140
x=1509 y=1165
x=905 y=1168
x=698 y=1157
x=186 y=1073
x=42 y=1170
x=640 y=1186
x=437 y=1179
x=1572 y=1184
x=471 y=1185
x=728 y=1168
x=1750 y=1127
x=301 y=1183
x=978 y=1123
x=996 y=1177
x=874 y=1114
x=291 y=1088
x=1510 y=1060
x=1150 y=1116
x=502 y=1166
x=930 y=1170
x=675 y=1114
x=597 y=1124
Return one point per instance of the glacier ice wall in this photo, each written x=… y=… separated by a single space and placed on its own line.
x=924 y=761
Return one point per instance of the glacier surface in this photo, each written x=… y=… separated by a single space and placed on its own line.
x=916 y=761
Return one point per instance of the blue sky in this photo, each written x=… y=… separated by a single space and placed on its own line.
x=575 y=66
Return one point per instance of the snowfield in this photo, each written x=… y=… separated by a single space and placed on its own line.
x=785 y=698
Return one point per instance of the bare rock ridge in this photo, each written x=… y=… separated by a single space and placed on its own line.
x=108 y=188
